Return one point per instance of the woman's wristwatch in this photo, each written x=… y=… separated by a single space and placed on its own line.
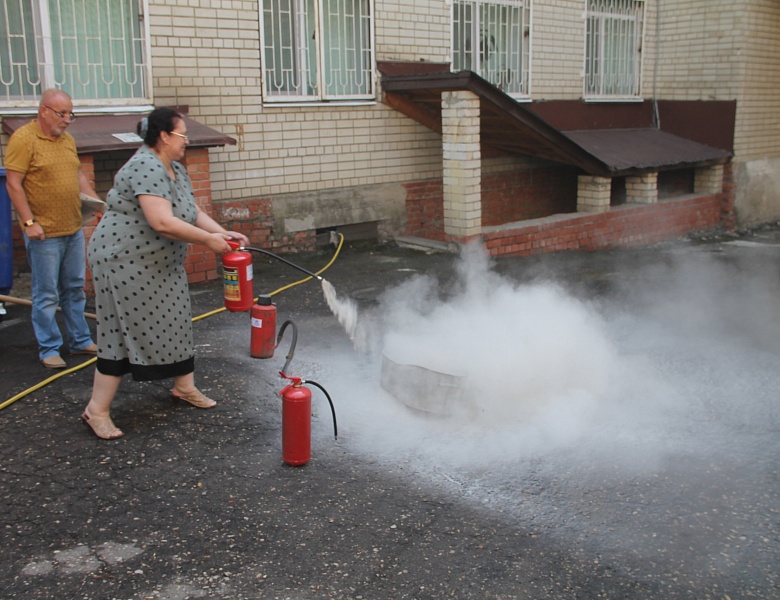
x=29 y=223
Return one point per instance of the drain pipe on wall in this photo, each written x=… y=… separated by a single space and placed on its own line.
x=657 y=61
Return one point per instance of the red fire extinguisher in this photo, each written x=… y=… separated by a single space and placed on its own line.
x=262 y=341
x=296 y=423
x=296 y=420
x=237 y=277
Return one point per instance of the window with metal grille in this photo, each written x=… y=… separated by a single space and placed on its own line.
x=613 y=48
x=492 y=38
x=317 y=50
x=96 y=50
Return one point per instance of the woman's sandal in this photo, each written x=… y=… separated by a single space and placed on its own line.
x=103 y=427
x=195 y=397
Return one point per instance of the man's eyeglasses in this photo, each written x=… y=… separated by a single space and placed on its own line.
x=71 y=116
x=181 y=135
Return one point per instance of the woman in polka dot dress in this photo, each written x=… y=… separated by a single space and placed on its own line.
x=137 y=255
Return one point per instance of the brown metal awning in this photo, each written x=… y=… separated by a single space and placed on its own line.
x=625 y=150
x=103 y=133
x=509 y=126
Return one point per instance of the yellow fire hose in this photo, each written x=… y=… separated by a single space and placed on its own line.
x=92 y=360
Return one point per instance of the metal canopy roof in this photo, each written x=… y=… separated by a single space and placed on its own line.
x=509 y=126
x=103 y=133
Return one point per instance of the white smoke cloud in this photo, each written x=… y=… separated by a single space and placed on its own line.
x=543 y=372
x=533 y=364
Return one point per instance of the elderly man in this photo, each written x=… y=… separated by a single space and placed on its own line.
x=44 y=179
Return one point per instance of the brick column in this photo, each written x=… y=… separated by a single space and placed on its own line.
x=462 y=164
x=593 y=193
x=642 y=189
x=708 y=180
x=201 y=264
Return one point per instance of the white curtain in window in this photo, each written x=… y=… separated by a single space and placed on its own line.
x=19 y=79
x=492 y=38
x=346 y=26
x=93 y=49
x=612 y=56
x=96 y=48
x=317 y=49
x=290 y=51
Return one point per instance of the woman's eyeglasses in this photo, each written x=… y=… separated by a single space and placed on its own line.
x=181 y=135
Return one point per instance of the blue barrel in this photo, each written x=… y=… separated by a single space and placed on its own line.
x=6 y=242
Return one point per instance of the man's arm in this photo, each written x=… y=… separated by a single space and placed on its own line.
x=85 y=186
x=13 y=183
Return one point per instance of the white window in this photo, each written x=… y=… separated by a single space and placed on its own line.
x=493 y=39
x=317 y=50
x=95 y=50
x=613 y=48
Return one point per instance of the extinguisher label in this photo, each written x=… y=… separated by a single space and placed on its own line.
x=232 y=288
x=257 y=323
x=249 y=274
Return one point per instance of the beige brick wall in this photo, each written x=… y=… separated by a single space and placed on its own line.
x=697 y=57
x=731 y=54
x=290 y=150
x=758 y=96
x=413 y=30
x=557 y=45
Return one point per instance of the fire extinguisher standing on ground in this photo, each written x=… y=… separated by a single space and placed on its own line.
x=296 y=420
x=296 y=423
x=263 y=338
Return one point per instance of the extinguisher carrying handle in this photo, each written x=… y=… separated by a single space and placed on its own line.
x=298 y=382
x=234 y=245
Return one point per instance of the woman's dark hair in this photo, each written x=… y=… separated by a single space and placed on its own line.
x=159 y=120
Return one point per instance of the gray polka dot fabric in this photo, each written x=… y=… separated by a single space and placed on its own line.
x=141 y=291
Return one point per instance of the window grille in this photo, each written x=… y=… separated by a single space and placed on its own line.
x=493 y=39
x=315 y=50
x=613 y=48
x=93 y=49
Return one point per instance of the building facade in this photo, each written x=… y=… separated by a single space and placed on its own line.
x=312 y=141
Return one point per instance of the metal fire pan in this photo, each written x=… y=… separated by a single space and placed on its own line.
x=420 y=388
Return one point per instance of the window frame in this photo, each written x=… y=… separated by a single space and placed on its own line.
x=322 y=96
x=526 y=8
x=42 y=30
x=637 y=58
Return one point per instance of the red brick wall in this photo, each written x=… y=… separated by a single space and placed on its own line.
x=425 y=209
x=535 y=212
x=622 y=226
x=506 y=197
x=253 y=218
x=201 y=263
x=528 y=194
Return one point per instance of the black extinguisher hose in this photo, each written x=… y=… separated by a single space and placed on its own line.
x=291 y=353
x=332 y=408
x=284 y=260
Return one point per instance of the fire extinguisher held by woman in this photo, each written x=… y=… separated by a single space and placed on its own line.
x=136 y=255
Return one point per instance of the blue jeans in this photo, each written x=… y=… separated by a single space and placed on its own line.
x=58 y=267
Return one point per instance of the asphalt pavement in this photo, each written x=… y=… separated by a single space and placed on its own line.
x=618 y=438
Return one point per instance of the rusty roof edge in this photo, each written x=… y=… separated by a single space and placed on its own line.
x=704 y=155
x=101 y=138
x=639 y=170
